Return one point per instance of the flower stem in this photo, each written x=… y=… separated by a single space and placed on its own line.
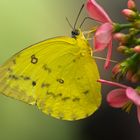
x=134 y=58
x=119 y=27
x=111 y=83
x=127 y=25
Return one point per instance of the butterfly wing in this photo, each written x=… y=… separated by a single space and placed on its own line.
x=56 y=75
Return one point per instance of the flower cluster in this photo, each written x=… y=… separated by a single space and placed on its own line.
x=128 y=45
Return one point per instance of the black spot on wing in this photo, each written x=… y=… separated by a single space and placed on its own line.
x=61 y=81
x=76 y=99
x=86 y=92
x=10 y=70
x=34 y=60
x=65 y=98
x=14 y=61
x=14 y=77
x=59 y=95
x=21 y=76
x=79 y=78
x=74 y=60
x=47 y=68
x=49 y=93
x=26 y=78
x=33 y=83
x=45 y=85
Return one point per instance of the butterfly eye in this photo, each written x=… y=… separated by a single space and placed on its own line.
x=75 y=33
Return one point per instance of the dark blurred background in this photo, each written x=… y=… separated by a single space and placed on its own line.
x=23 y=23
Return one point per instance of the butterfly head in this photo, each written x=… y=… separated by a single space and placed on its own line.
x=80 y=40
x=77 y=33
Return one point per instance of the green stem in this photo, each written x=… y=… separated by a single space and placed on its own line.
x=119 y=27
x=127 y=25
x=135 y=57
x=131 y=62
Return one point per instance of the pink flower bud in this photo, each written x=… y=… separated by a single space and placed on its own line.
x=129 y=75
x=131 y=4
x=137 y=49
x=116 y=69
x=120 y=37
x=128 y=13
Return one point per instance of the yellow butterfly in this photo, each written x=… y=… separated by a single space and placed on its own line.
x=57 y=75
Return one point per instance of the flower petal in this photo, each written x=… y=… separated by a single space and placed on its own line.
x=103 y=36
x=133 y=96
x=97 y=12
x=109 y=53
x=138 y=113
x=117 y=98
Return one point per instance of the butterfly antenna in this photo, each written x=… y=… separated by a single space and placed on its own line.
x=86 y=19
x=69 y=23
x=78 y=15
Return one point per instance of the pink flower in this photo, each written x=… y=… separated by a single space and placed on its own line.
x=104 y=33
x=123 y=97
x=131 y=4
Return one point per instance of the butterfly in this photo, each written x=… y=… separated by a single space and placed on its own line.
x=58 y=75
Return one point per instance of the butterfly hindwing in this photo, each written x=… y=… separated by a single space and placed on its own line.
x=74 y=92
x=56 y=75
